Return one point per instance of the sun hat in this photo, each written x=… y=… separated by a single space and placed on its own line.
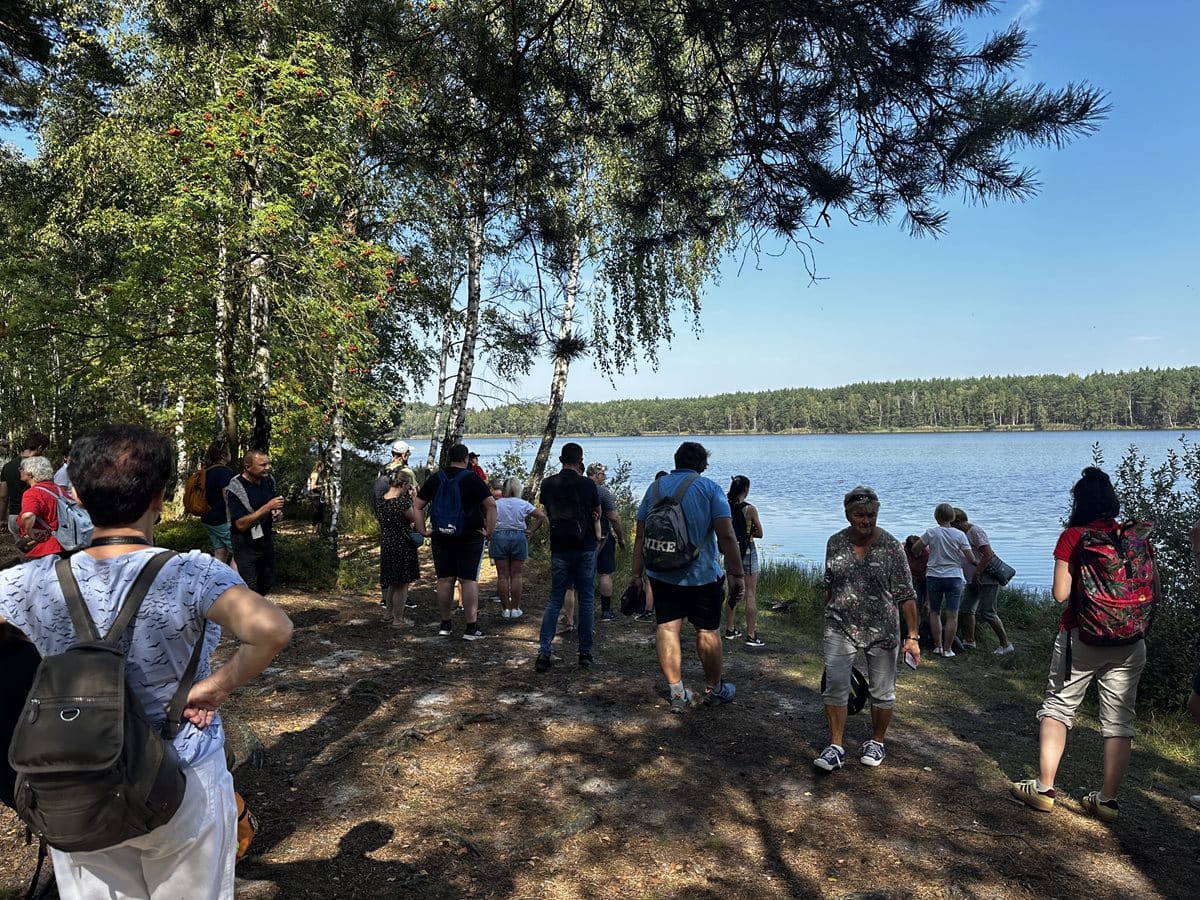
x=399 y=448
x=859 y=692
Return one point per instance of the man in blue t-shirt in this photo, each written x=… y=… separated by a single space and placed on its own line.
x=696 y=591
x=572 y=504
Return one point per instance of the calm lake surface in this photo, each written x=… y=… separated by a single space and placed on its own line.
x=1017 y=486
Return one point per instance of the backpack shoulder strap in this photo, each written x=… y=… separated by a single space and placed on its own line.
x=683 y=487
x=85 y=628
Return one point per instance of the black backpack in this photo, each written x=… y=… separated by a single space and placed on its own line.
x=667 y=545
x=92 y=771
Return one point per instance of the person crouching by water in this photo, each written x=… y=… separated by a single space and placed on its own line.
x=867 y=586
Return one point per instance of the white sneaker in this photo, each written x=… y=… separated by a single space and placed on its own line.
x=949 y=654
x=937 y=651
x=515 y=613
x=505 y=613
x=1004 y=651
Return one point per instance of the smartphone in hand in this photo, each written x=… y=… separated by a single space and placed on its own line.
x=909 y=659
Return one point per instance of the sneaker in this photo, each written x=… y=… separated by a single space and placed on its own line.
x=410 y=604
x=832 y=757
x=607 y=615
x=543 y=664
x=937 y=651
x=753 y=640
x=731 y=633
x=722 y=694
x=680 y=703
x=1004 y=651
x=1027 y=793
x=585 y=660
x=1104 y=810
x=383 y=603
x=872 y=753
x=472 y=632
x=515 y=613
x=1194 y=800
x=948 y=654
x=968 y=645
x=505 y=614
x=647 y=616
x=446 y=628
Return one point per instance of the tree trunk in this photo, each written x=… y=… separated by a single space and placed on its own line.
x=182 y=462
x=456 y=415
x=443 y=365
x=226 y=424
x=331 y=465
x=558 y=380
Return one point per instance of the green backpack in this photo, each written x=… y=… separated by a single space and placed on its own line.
x=92 y=771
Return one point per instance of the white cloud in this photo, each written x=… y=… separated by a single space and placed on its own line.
x=1028 y=13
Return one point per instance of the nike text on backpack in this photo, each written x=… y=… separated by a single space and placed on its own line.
x=667 y=545
x=446 y=511
x=1116 y=591
x=195 y=498
x=92 y=771
x=74 y=531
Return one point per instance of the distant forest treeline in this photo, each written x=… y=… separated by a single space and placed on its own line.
x=1147 y=398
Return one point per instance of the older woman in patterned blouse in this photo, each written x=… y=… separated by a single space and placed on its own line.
x=867 y=585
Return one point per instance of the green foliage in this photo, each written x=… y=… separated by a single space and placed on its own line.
x=305 y=562
x=510 y=463
x=181 y=535
x=800 y=585
x=1147 y=398
x=1169 y=496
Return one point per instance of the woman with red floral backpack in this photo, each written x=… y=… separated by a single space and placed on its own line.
x=1104 y=571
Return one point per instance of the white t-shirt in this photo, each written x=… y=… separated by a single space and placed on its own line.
x=945 y=544
x=511 y=513
x=159 y=643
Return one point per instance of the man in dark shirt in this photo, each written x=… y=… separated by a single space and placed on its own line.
x=457 y=552
x=572 y=504
x=253 y=507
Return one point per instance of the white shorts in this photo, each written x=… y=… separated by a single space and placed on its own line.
x=189 y=858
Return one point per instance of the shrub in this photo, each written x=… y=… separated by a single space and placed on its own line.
x=804 y=585
x=1168 y=496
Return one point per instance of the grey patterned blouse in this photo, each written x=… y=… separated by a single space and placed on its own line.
x=865 y=594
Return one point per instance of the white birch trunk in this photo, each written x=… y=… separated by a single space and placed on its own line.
x=456 y=415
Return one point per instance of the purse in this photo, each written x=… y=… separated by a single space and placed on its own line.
x=999 y=569
x=416 y=538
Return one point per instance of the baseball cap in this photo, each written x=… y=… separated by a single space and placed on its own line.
x=597 y=469
x=399 y=448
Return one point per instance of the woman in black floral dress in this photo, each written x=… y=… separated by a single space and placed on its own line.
x=398 y=563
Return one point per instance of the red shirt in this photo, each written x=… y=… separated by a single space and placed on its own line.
x=45 y=508
x=1065 y=551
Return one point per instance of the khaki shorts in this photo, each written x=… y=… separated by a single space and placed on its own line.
x=1116 y=671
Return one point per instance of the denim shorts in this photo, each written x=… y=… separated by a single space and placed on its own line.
x=509 y=544
x=943 y=593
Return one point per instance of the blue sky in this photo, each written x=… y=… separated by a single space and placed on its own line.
x=1091 y=274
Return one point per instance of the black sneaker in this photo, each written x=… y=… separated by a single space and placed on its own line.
x=472 y=632
x=410 y=604
x=543 y=664
x=647 y=616
x=731 y=633
x=446 y=628
x=585 y=660
x=607 y=615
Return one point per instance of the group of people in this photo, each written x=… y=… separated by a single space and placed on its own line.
x=119 y=474
x=954 y=584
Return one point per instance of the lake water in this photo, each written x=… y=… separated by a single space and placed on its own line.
x=1016 y=485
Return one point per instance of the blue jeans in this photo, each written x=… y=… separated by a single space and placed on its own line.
x=567 y=570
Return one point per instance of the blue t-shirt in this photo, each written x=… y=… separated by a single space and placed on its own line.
x=703 y=504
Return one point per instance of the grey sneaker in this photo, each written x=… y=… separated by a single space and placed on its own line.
x=832 y=757
x=723 y=694
x=872 y=753
x=682 y=702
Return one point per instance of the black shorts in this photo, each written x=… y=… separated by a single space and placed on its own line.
x=455 y=557
x=699 y=604
x=606 y=557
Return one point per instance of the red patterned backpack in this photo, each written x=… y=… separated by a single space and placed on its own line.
x=1116 y=591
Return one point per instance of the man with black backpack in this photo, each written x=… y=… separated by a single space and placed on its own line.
x=572 y=504
x=120 y=759
x=462 y=514
x=682 y=521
